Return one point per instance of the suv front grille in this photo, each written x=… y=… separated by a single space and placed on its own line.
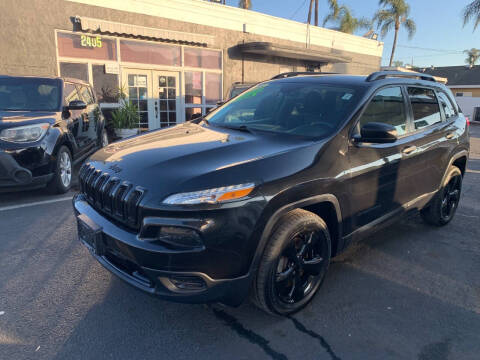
x=111 y=196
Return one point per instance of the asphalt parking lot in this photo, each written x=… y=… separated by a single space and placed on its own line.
x=408 y=292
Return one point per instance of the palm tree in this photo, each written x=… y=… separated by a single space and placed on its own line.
x=473 y=55
x=347 y=23
x=472 y=12
x=392 y=17
x=245 y=4
x=331 y=3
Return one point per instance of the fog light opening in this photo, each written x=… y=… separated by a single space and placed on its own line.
x=188 y=282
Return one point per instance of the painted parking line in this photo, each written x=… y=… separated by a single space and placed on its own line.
x=473 y=171
x=13 y=207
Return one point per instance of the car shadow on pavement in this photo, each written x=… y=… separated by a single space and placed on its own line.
x=391 y=296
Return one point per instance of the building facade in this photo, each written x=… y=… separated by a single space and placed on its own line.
x=172 y=58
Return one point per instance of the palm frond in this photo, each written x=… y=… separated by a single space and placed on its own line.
x=471 y=11
x=411 y=27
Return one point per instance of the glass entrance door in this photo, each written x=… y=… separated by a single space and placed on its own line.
x=137 y=87
x=166 y=98
x=156 y=94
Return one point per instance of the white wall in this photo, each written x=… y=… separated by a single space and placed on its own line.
x=232 y=18
x=467 y=104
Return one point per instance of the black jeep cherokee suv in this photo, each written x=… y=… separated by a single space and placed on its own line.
x=46 y=125
x=259 y=194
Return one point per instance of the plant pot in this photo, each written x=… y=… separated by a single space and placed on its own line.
x=125 y=133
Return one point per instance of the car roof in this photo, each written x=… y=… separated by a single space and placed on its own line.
x=358 y=80
x=67 y=79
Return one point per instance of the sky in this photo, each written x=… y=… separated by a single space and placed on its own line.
x=440 y=38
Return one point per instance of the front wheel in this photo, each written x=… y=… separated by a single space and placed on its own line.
x=445 y=203
x=62 y=178
x=294 y=263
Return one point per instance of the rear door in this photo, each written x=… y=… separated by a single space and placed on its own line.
x=378 y=183
x=432 y=116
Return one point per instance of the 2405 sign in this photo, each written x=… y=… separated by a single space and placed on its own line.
x=91 y=41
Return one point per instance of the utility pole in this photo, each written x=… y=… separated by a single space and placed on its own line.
x=316 y=12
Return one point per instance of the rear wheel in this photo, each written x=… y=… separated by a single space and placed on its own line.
x=294 y=263
x=62 y=178
x=445 y=203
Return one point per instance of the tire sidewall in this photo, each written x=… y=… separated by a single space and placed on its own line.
x=453 y=171
x=272 y=300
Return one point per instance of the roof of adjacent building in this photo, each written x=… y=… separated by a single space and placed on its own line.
x=456 y=75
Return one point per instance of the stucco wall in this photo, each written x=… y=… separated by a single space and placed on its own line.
x=475 y=91
x=27 y=40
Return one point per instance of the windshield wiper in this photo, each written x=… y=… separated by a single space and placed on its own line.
x=243 y=128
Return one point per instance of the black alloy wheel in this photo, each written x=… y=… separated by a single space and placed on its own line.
x=451 y=198
x=444 y=204
x=299 y=266
x=294 y=263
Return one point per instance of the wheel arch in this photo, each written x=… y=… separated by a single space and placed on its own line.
x=326 y=206
x=459 y=159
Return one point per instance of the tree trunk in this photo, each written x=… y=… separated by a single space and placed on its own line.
x=316 y=12
x=397 y=27
x=310 y=12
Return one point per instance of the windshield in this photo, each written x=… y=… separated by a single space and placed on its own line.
x=297 y=108
x=30 y=94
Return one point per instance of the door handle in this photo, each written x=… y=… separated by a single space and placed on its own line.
x=450 y=135
x=409 y=149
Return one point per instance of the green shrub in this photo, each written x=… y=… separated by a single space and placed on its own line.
x=126 y=117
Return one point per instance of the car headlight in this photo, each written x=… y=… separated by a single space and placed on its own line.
x=211 y=196
x=27 y=133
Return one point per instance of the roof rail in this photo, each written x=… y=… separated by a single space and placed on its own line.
x=401 y=74
x=299 y=73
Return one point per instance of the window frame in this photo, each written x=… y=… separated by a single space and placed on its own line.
x=355 y=130
x=452 y=104
x=412 y=118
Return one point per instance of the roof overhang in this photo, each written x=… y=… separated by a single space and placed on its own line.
x=115 y=28
x=270 y=49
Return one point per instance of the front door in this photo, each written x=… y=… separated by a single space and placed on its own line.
x=137 y=85
x=379 y=179
x=166 y=98
x=156 y=95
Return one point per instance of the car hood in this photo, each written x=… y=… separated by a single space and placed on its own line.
x=19 y=118
x=191 y=157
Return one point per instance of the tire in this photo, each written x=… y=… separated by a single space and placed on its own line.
x=62 y=178
x=293 y=265
x=443 y=206
x=103 y=141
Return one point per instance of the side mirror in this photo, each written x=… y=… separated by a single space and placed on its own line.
x=379 y=133
x=76 y=105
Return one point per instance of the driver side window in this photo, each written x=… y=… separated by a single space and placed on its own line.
x=387 y=106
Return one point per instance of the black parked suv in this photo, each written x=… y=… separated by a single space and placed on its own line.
x=46 y=126
x=258 y=195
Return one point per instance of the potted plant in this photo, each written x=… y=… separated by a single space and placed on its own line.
x=125 y=120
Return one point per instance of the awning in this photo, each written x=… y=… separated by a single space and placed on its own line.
x=270 y=49
x=115 y=28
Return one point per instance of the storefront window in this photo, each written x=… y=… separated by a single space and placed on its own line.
x=203 y=58
x=74 y=70
x=86 y=46
x=213 y=88
x=105 y=85
x=193 y=87
x=149 y=53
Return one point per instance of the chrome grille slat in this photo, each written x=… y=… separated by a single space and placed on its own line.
x=108 y=194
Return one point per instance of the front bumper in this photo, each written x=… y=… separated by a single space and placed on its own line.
x=162 y=271
x=24 y=168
